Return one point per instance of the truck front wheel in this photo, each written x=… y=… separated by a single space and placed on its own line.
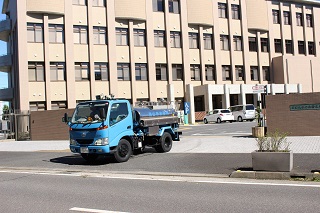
x=124 y=151
x=165 y=143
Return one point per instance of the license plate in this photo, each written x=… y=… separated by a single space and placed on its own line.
x=84 y=150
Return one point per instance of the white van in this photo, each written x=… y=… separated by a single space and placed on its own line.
x=243 y=112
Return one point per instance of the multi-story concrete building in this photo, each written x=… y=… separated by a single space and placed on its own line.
x=207 y=52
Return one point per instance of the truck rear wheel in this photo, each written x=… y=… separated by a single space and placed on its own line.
x=89 y=157
x=124 y=151
x=165 y=143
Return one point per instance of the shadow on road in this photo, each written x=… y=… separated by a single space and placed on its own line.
x=78 y=160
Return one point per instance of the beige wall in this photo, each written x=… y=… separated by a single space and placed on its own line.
x=47 y=6
x=257 y=15
x=199 y=12
x=130 y=9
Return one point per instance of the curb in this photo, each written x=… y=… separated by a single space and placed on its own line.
x=274 y=175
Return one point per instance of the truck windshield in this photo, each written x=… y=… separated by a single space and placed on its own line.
x=89 y=113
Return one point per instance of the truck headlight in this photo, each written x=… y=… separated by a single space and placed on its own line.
x=73 y=142
x=101 y=142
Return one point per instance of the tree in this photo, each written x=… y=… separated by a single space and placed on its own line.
x=5 y=112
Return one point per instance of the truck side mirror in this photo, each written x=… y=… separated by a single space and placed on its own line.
x=103 y=113
x=65 y=118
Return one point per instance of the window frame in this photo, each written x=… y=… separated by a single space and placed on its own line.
x=289 y=46
x=139 y=37
x=159 y=38
x=101 y=71
x=240 y=76
x=158 y=5
x=301 y=48
x=237 y=43
x=222 y=10
x=99 y=35
x=175 y=39
x=235 y=12
x=123 y=68
x=266 y=73
x=193 y=40
x=56 y=30
x=80 y=30
x=224 y=42
x=226 y=69
x=98 y=3
x=174 y=6
x=309 y=20
x=195 y=72
x=299 y=19
x=254 y=73
x=286 y=18
x=278 y=45
x=122 y=35
x=141 y=72
x=253 y=44
x=161 y=72
x=264 y=42
x=207 y=41
x=35 y=29
x=311 y=48
x=208 y=69
x=55 y=70
x=84 y=69
x=276 y=16
x=177 y=72
x=38 y=71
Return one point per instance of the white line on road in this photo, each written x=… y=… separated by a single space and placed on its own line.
x=92 y=210
x=169 y=178
x=223 y=133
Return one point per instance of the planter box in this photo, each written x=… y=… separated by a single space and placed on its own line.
x=257 y=131
x=272 y=161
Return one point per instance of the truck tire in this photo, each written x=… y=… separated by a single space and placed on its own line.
x=165 y=143
x=89 y=157
x=123 y=152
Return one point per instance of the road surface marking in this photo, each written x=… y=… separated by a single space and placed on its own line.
x=167 y=178
x=92 y=210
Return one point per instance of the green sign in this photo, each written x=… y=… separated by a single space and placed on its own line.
x=300 y=107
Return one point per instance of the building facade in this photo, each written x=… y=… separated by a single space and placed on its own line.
x=208 y=52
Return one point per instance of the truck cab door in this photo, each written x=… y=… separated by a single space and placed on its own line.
x=120 y=122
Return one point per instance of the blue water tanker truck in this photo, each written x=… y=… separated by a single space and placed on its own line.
x=112 y=126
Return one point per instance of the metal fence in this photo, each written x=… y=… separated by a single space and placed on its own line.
x=15 y=124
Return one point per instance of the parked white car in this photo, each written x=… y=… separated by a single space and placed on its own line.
x=218 y=116
x=243 y=112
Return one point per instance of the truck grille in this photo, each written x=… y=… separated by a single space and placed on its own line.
x=84 y=141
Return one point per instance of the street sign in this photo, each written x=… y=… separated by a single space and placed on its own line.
x=186 y=108
x=258 y=89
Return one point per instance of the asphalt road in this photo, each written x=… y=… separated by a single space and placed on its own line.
x=31 y=192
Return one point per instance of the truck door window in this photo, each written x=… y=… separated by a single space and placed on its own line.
x=118 y=112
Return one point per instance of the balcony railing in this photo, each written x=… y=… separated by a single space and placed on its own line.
x=5 y=63
x=5 y=28
x=6 y=94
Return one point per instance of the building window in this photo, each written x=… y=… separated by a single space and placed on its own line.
x=79 y=2
x=80 y=34
x=224 y=42
x=309 y=20
x=161 y=72
x=222 y=10
x=82 y=71
x=275 y=16
x=177 y=72
x=57 y=71
x=36 y=71
x=141 y=72
x=99 y=35
x=35 y=32
x=254 y=73
x=101 y=71
x=239 y=73
x=235 y=10
x=56 y=33
x=210 y=73
x=98 y=3
x=37 y=106
x=207 y=39
x=299 y=19
x=266 y=73
x=195 y=72
x=175 y=39
x=226 y=73
x=174 y=6
x=139 y=37
x=157 y=5
x=252 y=44
x=311 y=48
x=286 y=18
x=56 y=105
x=301 y=48
x=237 y=43
x=122 y=36
x=193 y=41
x=264 y=45
x=277 y=45
x=289 y=48
x=123 y=70
x=159 y=38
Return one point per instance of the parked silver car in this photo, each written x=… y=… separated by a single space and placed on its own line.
x=218 y=116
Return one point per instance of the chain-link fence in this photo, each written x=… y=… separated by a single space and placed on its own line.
x=15 y=124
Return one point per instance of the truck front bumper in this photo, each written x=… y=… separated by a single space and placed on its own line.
x=91 y=149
